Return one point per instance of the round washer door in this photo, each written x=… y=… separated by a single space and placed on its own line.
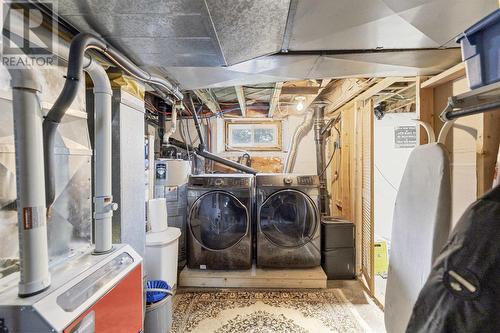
x=288 y=218
x=218 y=220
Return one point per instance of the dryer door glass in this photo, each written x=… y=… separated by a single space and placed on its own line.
x=218 y=220
x=288 y=218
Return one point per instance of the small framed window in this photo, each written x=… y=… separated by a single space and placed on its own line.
x=253 y=135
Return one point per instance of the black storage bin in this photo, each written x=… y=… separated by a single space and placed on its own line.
x=338 y=248
x=339 y=263
x=336 y=233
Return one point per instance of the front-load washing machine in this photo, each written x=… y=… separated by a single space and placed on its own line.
x=288 y=221
x=220 y=214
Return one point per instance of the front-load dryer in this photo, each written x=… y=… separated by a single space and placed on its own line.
x=220 y=214
x=288 y=221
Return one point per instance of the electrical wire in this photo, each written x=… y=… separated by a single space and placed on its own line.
x=383 y=176
x=329 y=161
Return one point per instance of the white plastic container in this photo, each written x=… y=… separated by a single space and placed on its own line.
x=157 y=214
x=161 y=255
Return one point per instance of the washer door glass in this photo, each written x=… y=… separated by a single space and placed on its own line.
x=288 y=218
x=218 y=220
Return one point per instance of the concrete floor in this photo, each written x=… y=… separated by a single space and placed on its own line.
x=362 y=302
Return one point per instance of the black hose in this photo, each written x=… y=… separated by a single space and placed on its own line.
x=78 y=46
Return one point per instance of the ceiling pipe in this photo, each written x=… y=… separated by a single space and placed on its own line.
x=32 y=224
x=76 y=60
x=319 y=138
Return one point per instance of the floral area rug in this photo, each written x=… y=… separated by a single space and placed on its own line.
x=265 y=311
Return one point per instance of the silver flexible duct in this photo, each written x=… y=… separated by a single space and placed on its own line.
x=299 y=134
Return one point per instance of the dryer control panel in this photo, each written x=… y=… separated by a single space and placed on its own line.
x=219 y=182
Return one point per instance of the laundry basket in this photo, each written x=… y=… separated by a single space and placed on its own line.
x=158 y=307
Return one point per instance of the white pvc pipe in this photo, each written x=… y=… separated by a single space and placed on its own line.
x=173 y=126
x=30 y=182
x=103 y=199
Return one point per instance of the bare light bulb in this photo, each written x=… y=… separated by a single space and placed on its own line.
x=300 y=106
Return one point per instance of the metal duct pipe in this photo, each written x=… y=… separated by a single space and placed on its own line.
x=81 y=43
x=213 y=157
x=319 y=121
x=229 y=163
x=103 y=199
x=162 y=107
x=299 y=134
x=32 y=224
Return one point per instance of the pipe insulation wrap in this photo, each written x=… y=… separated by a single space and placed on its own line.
x=32 y=224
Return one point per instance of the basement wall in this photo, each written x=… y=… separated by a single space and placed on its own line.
x=273 y=161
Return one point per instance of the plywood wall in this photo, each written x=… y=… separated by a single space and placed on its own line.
x=340 y=172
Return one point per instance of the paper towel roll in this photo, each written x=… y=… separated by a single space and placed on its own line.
x=157 y=214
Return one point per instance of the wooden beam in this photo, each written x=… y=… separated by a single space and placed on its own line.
x=275 y=98
x=385 y=83
x=207 y=99
x=397 y=92
x=241 y=100
x=300 y=90
x=450 y=74
x=344 y=91
x=424 y=100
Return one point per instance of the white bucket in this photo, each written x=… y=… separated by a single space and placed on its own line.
x=157 y=214
x=161 y=255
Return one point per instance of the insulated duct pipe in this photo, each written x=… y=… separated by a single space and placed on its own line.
x=319 y=121
x=32 y=224
x=299 y=134
x=103 y=199
x=81 y=43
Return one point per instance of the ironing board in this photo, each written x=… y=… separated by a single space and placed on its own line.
x=421 y=224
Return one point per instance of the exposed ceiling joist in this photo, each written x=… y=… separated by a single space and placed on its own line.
x=240 y=94
x=275 y=98
x=384 y=84
x=397 y=92
x=300 y=90
x=208 y=99
x=344 y=91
